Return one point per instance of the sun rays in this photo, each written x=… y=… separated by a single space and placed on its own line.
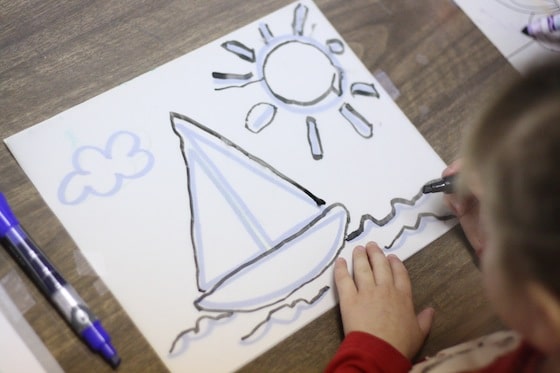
x=300 y=74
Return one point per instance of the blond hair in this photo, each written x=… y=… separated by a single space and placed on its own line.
x=514 y=151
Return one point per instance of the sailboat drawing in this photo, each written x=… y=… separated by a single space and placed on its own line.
x=257 y=235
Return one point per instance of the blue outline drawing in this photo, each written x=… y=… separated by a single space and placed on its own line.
x=123 y=158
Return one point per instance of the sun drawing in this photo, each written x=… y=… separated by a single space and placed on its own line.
x=301 y=75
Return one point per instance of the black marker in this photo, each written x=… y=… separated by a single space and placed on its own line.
x=445 y=185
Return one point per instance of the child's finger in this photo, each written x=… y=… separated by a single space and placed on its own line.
x=453 y=168
x=455 y=204
x=400 y=275
x=382 y=273
x=342 y=279
x=363 y=276
x=425 y=320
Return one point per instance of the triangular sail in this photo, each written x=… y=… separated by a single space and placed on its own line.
x=239 y=203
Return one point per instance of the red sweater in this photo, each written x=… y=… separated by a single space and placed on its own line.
x=363 y=352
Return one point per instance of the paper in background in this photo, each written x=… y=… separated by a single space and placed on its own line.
x=502 y=21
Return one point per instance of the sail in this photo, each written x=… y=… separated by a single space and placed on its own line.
x=240 y=206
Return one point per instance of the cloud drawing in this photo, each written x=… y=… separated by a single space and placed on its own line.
x=102 y=172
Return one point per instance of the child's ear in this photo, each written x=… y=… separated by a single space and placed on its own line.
x=546 y=319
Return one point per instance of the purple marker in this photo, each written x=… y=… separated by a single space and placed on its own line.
x=541 y=26
x=59 y=292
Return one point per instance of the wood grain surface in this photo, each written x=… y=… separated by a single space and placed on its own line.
x=57 y=54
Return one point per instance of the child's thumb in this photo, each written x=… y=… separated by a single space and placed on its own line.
x=425 y=319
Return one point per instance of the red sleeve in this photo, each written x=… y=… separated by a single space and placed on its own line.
x=363 y=352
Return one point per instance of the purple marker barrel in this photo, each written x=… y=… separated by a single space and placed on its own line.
x=542 y=26
x=45 y=276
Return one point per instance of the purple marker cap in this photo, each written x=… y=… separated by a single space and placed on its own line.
x=98 y=339
x=7 y=218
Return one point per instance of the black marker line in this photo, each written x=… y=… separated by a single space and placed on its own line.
x=189 y=191
x=339 y=73
x=300 y=17
x=271 y=251
x=253 y=158
x=240 y=50
x=238 y=86
x=387 y=218
x=357 y=120
x=417 y=225
x=313 y=138
x=261 y=123
x=196 y=328
x=337 y=90
x=231 y=76
x=335 y=46
x=287 y=305
x=175 y=116
x=265 y=32
x=364 y=89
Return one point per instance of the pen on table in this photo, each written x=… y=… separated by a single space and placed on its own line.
x=445 y=185
x=544 y=25
x=63 y=296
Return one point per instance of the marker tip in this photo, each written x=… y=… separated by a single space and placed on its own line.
x=115 y=361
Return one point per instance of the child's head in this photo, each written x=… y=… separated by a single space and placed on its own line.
x=513 y=158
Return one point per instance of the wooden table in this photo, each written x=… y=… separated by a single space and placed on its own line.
x=56 y=54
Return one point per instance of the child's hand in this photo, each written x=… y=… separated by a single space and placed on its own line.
x=378 y=300
x=467 y=209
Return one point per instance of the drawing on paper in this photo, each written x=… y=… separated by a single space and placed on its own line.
x=218 y=172
x=297 y=306
x=102 y=172
x=316 y=81
x=229 y=187
x=294 y=304
x=242 y=235
x=416 y=227
x=380 y=222
x=536 y=9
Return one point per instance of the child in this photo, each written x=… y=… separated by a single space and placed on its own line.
x=510 y=168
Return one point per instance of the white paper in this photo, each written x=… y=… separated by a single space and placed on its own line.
x=502 y=21
x=213 y=193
